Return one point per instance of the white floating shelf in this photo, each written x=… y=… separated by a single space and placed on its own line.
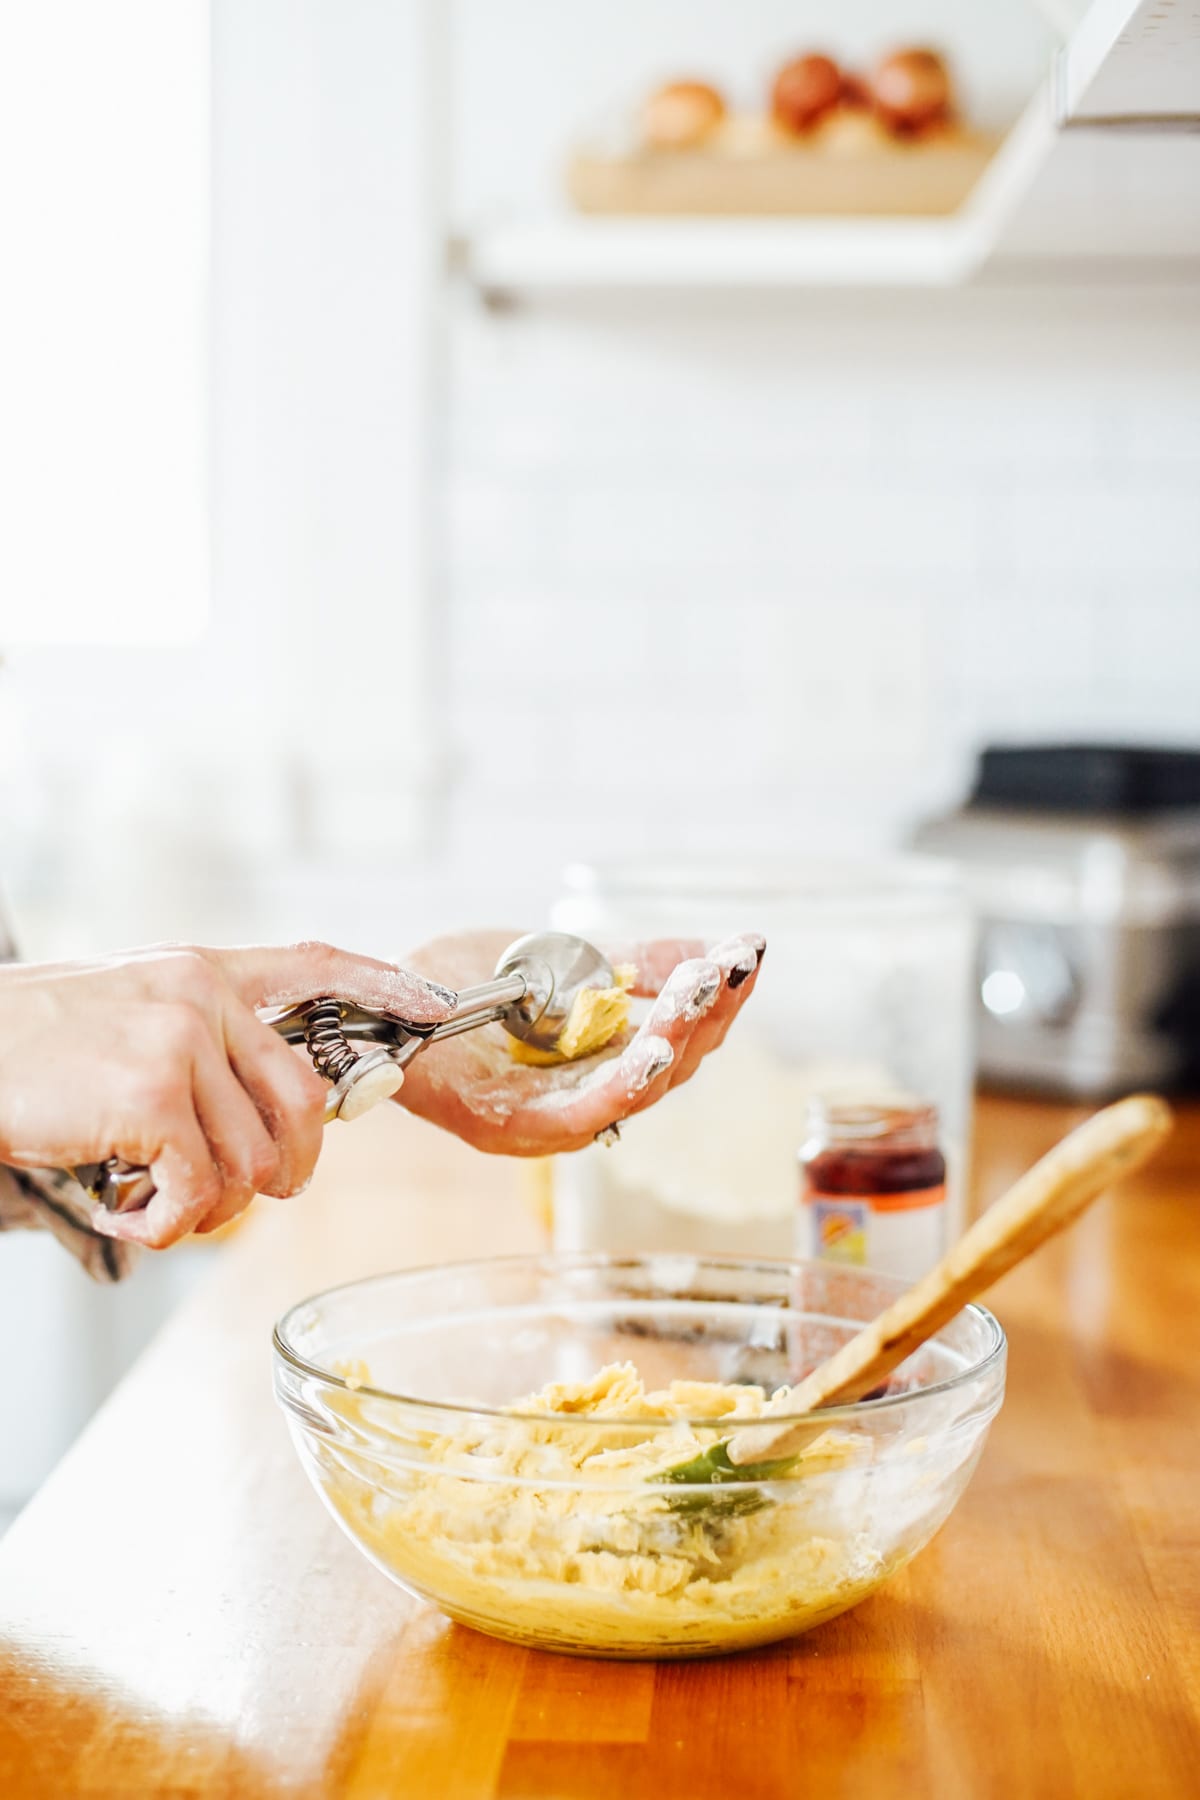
x=1048 y=194
x=569 y=254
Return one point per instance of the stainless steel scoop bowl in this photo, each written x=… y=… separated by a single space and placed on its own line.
x=537 y=981
x=554 y=968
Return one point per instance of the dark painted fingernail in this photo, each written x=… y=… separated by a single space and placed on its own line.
x=738 y=975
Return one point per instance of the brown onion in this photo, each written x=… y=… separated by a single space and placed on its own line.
x=911 y=90
x=681 y=114
x=804 y=91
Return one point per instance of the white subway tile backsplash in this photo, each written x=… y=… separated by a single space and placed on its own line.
x=1133 y=534
x=773 y=579
x=658 y=524
x=909 y=525
x=502 y=525
x=1151 y=641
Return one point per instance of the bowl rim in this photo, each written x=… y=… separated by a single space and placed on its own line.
x=594 y=1259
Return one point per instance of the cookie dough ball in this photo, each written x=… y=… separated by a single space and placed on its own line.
x=596 y=1017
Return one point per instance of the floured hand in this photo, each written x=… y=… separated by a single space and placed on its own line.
x=158 y=1056
x=471 y=1086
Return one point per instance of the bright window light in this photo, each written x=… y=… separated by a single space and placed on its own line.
x=104 y=182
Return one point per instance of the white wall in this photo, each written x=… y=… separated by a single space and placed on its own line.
x=772 y=570
x=771 y=575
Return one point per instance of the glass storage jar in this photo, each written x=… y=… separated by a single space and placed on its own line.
x=865 y=992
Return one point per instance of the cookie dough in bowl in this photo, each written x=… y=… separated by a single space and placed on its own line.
x=504 y=1438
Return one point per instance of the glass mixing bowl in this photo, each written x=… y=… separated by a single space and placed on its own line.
x=407 y=1396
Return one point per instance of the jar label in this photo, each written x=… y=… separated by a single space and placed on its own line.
x=839 y=1228
x=872 y=1229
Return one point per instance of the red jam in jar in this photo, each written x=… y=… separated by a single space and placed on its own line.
x=873 y=1187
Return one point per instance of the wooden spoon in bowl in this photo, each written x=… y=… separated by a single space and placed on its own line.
x=1104 y=1149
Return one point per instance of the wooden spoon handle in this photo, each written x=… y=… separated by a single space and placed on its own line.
x=1055 y=1191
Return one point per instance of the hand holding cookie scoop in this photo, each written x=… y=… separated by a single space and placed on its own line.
x=554 y=1002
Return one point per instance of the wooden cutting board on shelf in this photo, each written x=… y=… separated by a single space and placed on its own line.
x=852 y=169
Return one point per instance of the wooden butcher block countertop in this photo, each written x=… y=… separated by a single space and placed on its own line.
x=179 y=1616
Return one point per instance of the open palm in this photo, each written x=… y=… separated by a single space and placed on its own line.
x=471 y=1086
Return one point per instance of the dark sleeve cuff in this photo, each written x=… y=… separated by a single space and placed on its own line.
x=52 y=1200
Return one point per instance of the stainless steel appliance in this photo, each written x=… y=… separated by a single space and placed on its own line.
x=1083 y=864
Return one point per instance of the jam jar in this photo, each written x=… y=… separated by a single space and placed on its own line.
x=873 y=1187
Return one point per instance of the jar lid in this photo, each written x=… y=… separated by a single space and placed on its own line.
x=871 y=1123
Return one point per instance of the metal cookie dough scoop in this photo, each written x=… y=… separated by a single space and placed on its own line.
x=537 y=982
